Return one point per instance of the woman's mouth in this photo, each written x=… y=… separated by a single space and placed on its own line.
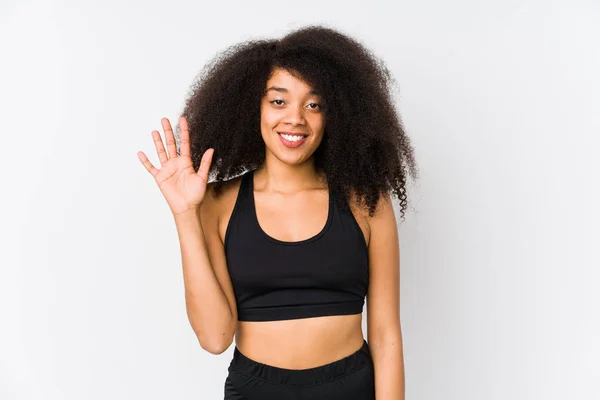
x=292 y=140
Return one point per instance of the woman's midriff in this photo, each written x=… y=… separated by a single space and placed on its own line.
x=300 y=343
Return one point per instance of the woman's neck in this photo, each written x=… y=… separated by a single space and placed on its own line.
x=284 y=178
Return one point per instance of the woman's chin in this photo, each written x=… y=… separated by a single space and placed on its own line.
x=291 y=158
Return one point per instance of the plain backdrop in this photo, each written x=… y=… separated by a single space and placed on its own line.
x=499 y=252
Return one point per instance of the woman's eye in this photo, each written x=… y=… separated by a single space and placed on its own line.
x=312 y=106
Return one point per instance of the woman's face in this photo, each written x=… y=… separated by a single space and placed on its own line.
x=291 y=120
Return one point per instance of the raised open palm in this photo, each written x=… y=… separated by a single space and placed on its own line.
x=182 y=187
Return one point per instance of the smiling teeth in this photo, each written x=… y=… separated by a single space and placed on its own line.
x=292 y=138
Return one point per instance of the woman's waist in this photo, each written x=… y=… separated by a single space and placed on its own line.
x=300 y=343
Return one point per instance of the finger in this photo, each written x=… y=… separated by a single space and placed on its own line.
x=205 y=164
x=184 y=138
x=149 y=167
x=169 y=137
x=160 y=149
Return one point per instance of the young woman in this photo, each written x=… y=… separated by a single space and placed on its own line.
x=296 y=227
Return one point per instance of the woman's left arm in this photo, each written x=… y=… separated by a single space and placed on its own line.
x=383 y=303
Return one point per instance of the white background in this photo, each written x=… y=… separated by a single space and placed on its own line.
x=499 y=256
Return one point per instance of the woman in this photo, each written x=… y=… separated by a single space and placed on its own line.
x=297 y=228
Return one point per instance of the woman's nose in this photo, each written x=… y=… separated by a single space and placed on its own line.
x=294 y=115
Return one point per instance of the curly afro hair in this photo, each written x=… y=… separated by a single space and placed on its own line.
x=364 y=152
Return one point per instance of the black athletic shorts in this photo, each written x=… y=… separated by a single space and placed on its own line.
x=351 y=377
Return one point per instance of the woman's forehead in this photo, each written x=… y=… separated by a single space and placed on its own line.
x=283 y=81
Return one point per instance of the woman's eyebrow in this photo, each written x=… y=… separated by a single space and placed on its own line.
x=284 y=90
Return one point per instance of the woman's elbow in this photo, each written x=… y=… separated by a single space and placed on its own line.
x=218 y=344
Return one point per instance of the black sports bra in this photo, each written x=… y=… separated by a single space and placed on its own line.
x=327 y=274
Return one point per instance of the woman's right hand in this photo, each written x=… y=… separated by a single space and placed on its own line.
x=183 y=188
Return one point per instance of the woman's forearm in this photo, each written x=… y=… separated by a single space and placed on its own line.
x=207 y=308
x=388 y=359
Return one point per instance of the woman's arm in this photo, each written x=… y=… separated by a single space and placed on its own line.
x=209 y=295
x=383 y=303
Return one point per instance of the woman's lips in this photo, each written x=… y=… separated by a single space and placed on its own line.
x=289 y=143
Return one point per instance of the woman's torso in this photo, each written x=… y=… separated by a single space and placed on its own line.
x=293 y=343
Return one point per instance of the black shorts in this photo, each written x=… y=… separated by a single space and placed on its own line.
x=351 y=377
